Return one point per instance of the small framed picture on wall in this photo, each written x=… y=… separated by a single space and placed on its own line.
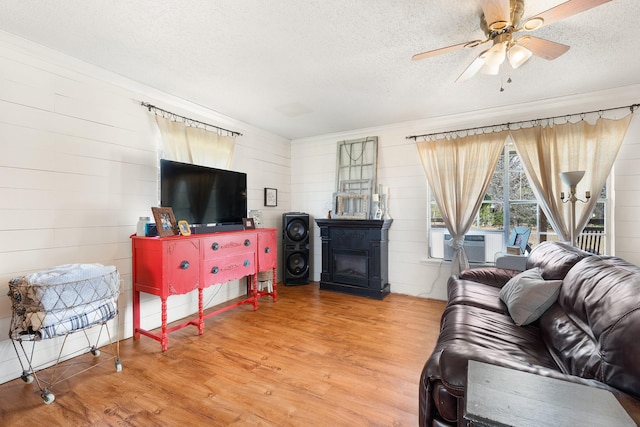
x=270 y=197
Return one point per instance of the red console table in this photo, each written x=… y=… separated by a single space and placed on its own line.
x=165 y=266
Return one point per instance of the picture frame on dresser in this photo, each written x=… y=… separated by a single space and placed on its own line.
x=257 y=218
x=165 y=221
x=248 y=223
x=184 y=228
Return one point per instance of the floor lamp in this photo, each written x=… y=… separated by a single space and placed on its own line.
x=572 y=179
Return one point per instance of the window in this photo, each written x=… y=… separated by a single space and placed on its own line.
x=510 y=200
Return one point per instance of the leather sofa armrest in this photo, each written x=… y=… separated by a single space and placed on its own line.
x=492 y=276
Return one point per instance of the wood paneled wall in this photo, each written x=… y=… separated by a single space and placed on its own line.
x=79 y=165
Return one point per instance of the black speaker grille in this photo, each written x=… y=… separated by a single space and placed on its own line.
x=296 y=233
x=297 y=230
x=297 y=264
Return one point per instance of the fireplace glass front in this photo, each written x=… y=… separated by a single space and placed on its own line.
x=351 y=267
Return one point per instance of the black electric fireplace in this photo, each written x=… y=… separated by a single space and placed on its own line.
x=355 y=256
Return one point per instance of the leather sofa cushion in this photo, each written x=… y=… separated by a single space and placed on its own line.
x=599 y=334
x=555 y=259
x=474 y=333
x=476 y=294
x=575 y=351
x=492 y=276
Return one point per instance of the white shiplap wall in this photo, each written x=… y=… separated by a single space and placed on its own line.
x=626 y=196
x=313 y=181
x=79 y=166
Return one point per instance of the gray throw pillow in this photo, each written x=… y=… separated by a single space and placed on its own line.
x=528 y=295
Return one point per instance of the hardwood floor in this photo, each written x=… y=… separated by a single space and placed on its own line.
x=313 y=358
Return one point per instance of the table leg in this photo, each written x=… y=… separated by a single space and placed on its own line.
x=200 y=312
x=164 y=337
x=254 y=288
x=136 y=315
x=274 y=286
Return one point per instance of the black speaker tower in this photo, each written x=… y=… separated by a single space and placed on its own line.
x=295 y=248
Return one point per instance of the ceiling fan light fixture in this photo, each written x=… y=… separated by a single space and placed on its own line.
x=518 y=55
x=496 y=55
x=498 y=25
x=491 y=69
x=532 y=24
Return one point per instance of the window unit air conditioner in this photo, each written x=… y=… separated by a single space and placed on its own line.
x=474 y=246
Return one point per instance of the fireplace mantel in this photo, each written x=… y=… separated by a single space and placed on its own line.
x=355 y=256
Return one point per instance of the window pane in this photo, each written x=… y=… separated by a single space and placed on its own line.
x=495 y=192
x=491 y=216
x=524 y=215
x=519 y=188
x=597 y=217
x=436 y=217
x=545 y=226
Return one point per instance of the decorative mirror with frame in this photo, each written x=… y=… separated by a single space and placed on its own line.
x=356 y=177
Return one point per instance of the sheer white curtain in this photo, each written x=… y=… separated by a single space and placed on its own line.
x=548 y=150
x=459 y=171
x=195 y=145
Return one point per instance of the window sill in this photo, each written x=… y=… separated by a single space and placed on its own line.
x=441 y=262
x=434 y=261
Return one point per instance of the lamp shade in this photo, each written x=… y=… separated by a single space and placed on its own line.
x=518 y=55
x=493 y=58
x=571 y=178
x=496 y=55
x=491 y=69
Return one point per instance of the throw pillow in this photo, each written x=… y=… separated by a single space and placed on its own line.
x=528 y=295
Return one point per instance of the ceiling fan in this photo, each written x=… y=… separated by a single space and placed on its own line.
x=501 y=21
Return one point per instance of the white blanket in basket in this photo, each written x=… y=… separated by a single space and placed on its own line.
x=70 y=285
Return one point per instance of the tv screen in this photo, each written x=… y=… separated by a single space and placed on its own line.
x=202 y=195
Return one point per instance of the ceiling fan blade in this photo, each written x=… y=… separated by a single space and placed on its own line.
x=473 y=68
x=562 y=11
x=497 y=13
x=543 y=48
x=447 y=49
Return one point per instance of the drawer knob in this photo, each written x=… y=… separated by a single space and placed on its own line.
x=247 y=242
x=267 y=250
x=215 y=246
x=215 y=270
x=184 y=265
x=246 y=263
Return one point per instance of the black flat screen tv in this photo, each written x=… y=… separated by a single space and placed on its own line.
x=205 y=197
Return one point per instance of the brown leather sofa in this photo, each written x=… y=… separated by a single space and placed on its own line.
x=590 y=335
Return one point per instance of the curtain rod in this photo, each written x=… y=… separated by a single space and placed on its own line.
x=507 y=126
x=188 y=120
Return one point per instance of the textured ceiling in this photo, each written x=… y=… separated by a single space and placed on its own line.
x=304 y=68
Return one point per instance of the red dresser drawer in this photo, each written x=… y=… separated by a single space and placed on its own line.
x=232 y=267
x=225 y=244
